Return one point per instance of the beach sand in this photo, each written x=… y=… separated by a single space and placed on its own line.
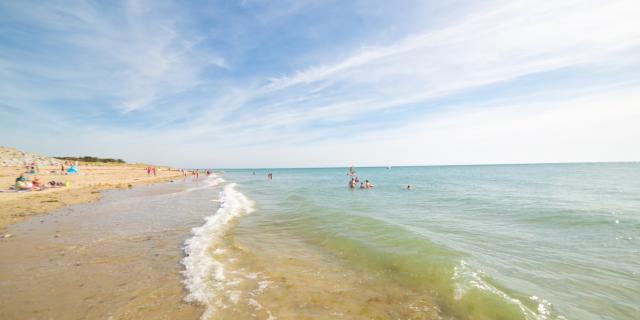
x=84 y=187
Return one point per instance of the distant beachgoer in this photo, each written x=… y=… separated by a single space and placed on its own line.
x=357 y=180
x=154 y=170
x=208 y=173
x=148 y=171
x=408 y=187
x=22 y=183
x=36 y=184
x=362 y=185
x=270 y=176
x=352 y=183
x=368 y=184
x=254 y=173
x=62 y=168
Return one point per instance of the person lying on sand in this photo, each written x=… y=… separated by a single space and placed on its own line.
x=37 y=185
x=22 y=183
x=56 y=184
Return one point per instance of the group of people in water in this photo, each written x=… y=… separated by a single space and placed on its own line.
x=363 y=185
x=355 y=180
x=353 y=183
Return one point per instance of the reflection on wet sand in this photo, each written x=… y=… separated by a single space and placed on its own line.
x=118 y=258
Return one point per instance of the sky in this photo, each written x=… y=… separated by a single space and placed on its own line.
x=297 y=83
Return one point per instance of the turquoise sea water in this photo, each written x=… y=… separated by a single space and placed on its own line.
x=542 y=241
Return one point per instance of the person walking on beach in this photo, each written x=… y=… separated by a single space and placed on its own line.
x=148 y=171
x=154 y=170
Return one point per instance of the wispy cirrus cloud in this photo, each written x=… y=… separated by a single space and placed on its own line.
x=133 y=55
x=502 y=42
x=260 y=78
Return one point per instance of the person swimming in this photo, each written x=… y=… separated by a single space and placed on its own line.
x=362 y=185
x=352 y=183
x=368 y=184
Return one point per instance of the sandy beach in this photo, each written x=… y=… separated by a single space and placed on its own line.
x=85 y=186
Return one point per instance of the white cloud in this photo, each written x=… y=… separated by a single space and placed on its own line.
x=147 y=53
x=504 y=42
x=138 y=55
x=595 y=127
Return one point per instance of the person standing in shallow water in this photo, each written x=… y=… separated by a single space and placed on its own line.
x=270 y=176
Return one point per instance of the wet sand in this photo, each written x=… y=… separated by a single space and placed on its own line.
x=117 y=258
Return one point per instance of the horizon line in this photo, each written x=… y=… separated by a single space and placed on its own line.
x=433 y=165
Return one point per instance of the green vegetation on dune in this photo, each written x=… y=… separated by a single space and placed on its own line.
x=92 y=159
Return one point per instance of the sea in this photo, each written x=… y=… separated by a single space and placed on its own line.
x=530 y=241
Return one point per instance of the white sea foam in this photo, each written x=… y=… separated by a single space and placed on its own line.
x=467 y=278
x=205 y=276
x=209 y=182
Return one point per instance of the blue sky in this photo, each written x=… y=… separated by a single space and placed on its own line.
x=322 y=83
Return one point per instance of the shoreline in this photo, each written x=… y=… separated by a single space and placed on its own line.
x=114 y=258
x=85 y=187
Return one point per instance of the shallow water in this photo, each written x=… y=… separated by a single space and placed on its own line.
x=466 y=242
